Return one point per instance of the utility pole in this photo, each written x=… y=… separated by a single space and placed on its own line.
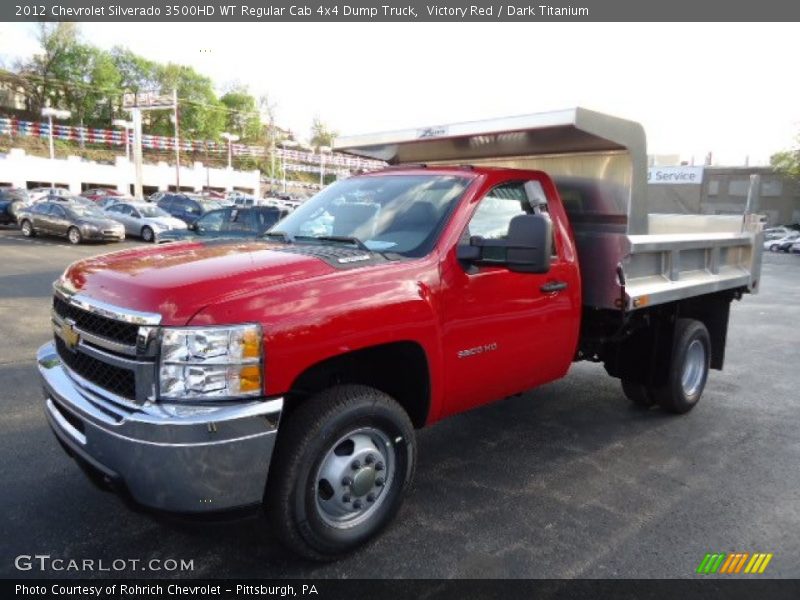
x=138 y=187
x=177 y=142
x=58 y=114
x=126 y=126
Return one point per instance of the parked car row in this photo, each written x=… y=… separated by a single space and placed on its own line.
x=115 y=218
x=76 y=222
x=783 y=244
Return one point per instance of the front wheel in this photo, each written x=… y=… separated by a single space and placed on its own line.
x=147 y=234
x=343 y=462
x=74 y=235
x=688 y=372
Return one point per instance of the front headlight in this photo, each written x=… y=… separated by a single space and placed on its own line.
x=210 y=362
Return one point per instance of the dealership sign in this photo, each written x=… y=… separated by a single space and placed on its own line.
x=675 y=175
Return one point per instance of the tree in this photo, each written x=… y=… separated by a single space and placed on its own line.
x=136 y=73
x=90 y=84
x=787 y=162
x=199 y=109
x=42 y=71
x=242 y=116
x=321 y=134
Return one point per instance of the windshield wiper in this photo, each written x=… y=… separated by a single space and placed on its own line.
x=345 y=239
x=285 y=237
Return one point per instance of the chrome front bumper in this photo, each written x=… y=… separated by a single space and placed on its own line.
x=168 y=457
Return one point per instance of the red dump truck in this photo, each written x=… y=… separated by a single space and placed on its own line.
x=291 y=372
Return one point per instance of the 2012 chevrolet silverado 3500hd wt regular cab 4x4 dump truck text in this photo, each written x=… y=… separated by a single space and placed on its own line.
x=292 y=371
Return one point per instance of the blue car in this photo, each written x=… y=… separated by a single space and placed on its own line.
x=229 y=222
x=187 y=208
x=11 y=202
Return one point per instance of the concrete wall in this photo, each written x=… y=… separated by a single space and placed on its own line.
x=17 y=169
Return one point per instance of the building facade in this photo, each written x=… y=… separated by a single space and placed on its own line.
x=723 y=191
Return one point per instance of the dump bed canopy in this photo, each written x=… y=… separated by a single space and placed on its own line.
x=575 y=144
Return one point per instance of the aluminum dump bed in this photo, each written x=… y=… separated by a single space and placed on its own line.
x=629 y=257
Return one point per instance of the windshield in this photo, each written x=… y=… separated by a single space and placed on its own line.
x=79 y=210
x=387 y=213
x=150 y=211
x=207 y=203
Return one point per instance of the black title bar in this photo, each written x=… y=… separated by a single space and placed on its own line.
x=706 y=588
x=254 y=11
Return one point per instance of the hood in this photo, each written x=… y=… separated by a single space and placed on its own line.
x=177 y=280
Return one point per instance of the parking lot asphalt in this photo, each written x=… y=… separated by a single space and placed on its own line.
x=569 y=480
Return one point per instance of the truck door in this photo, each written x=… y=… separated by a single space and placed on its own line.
x=507 y=332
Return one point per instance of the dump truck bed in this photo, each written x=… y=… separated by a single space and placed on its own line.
x=629 y=258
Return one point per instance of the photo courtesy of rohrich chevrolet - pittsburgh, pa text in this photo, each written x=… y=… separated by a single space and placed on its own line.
x=399 y=299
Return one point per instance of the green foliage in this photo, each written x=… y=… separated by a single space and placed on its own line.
x=787 y=162
x=321 y=134
x=242 y=117
x=90 y=82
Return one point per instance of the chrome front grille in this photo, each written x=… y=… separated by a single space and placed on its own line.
x=118 y=381
x=89 y=322
x=106 y=348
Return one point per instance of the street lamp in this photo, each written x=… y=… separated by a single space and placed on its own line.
x=58 y=114
x=323 y=150
x=231 y=138
x=127 y=126
x=285 y=144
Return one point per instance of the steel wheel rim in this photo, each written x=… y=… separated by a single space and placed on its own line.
x=74 y=236
x=694 y=366
x=354 y=477
x=26 y=229
x=147 y=234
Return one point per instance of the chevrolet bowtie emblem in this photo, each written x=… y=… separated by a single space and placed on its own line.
x=69 y=335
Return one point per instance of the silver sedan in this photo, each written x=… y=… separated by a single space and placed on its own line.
x=143 y=219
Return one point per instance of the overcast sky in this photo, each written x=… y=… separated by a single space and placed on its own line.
x=727 y=88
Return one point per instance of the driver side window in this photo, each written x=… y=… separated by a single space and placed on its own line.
x=501 y=204
x=497 y=208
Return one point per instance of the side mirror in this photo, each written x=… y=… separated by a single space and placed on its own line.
x=525 y=249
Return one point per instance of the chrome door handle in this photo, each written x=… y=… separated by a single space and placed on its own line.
x=553 y=286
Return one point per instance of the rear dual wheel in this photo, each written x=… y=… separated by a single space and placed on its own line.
x=688 y=371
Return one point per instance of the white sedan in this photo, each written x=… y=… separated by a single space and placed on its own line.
x=783 y=244
x=143 y=219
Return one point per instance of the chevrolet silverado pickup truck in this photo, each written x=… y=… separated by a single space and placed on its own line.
x=291 y=371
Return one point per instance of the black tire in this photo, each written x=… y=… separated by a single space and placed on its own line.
x=74 y=236
x=773 y=248
x=147 y=234
x=639 y=394
x=674 y=396
x=309 y=435
x=27 y=228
